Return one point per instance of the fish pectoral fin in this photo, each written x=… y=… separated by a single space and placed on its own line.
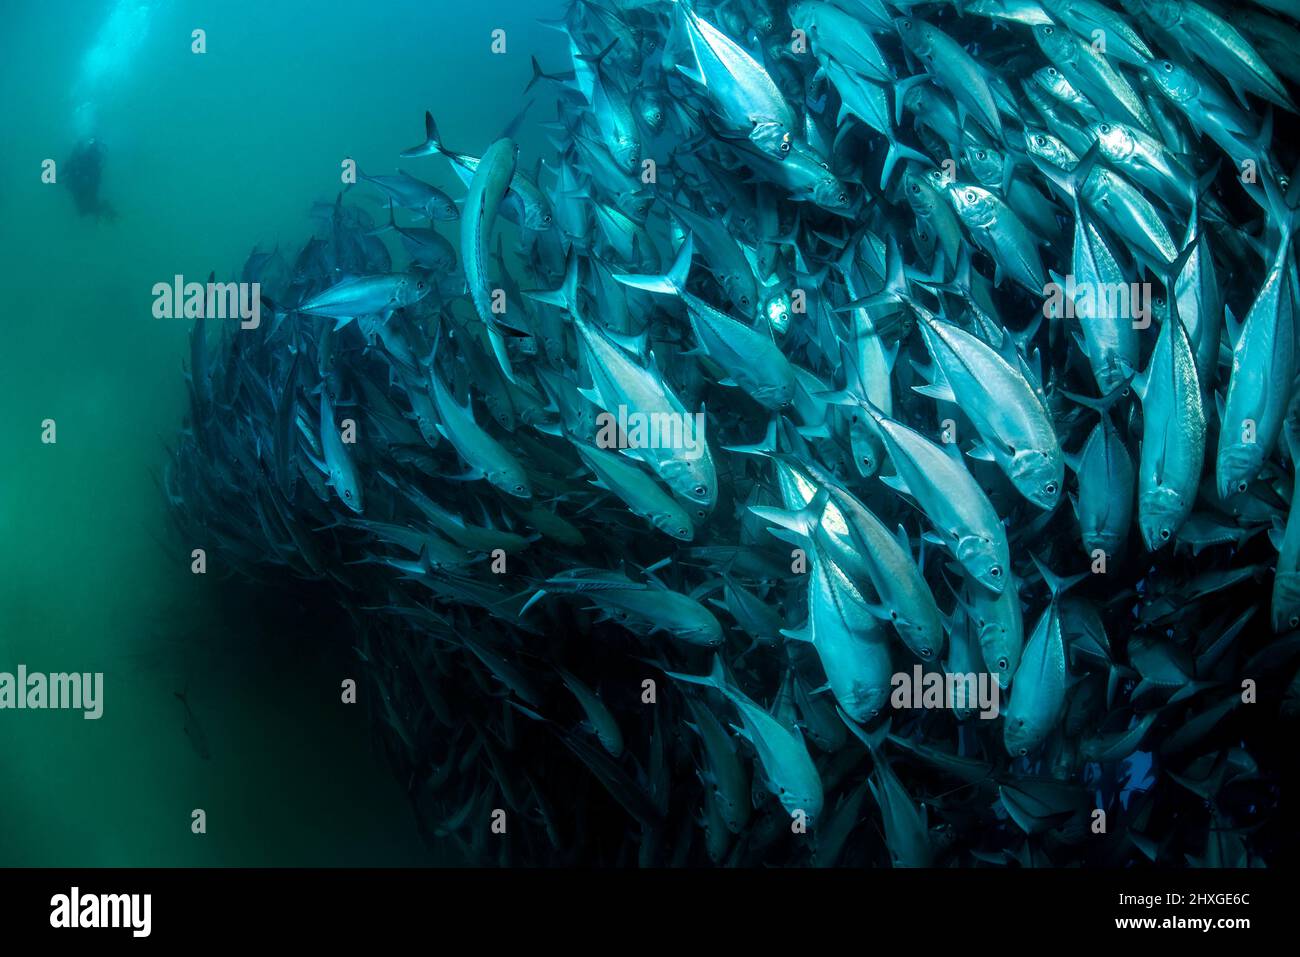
x=821 y=431
x=904 y=540
x=1233 y=325
x=1275 y=537
x=1189 y=689
x=804 y=634
x=790 y=537
x=878 y=611
x=1239 y=93
x=691 y=74
x=941 y=392
x=636 y=345
x=897 y=483
x=319 y=463
x=1160 y=467
x=743 y=732
x=592 y=396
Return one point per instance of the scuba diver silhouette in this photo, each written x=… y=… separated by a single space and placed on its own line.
x=82 y=174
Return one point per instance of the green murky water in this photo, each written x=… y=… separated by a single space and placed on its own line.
x=207 y=155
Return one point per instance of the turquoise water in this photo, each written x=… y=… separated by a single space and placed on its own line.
x=207 y=155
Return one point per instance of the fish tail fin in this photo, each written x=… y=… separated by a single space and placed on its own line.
x=432 y=141
x=1173 y=270
x=527 y=712
x=900 y=95
x=670 y=283
x=802 y=521
x=1285 y=217
x=897 y=151
x=517 y=120
x=1291 y=423
x=764 y=446
x=1057 y=584
x=1201 y=187
x=537 y=75
x=1103 y=404
x=431 y=136
x=554 y=23
x=390 y=226
x=1262 y=140
x=874 y=412
x=1070 y=182
x=897 y=288
x=716 y=678
x=537 y=596
x=872 y=739
x=848 y=257
x=566 y=295
x=595 y=59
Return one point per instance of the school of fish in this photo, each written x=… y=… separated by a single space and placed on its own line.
x=968 y=331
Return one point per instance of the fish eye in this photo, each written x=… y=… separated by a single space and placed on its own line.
x=981 y=155
x=1294 y=621
x=699 y=513
x=825 y=166
x=347 y=493
x=785 y=147
x=996 y=571
x=520 y=489
x=893 y=615
x=1040 y=140
x=970 y=196
x=1047 y=32
x=843 y=197
x=744 y=300
x=926 y=653
x=1050 y=488
x=1242 y=486
x=1104 y=127
x=681 y=533
x=1169 y=67
x=1003 y=664
x=916 y=187
x=700 y=490
x=1164 y=534
x=1023 y=752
